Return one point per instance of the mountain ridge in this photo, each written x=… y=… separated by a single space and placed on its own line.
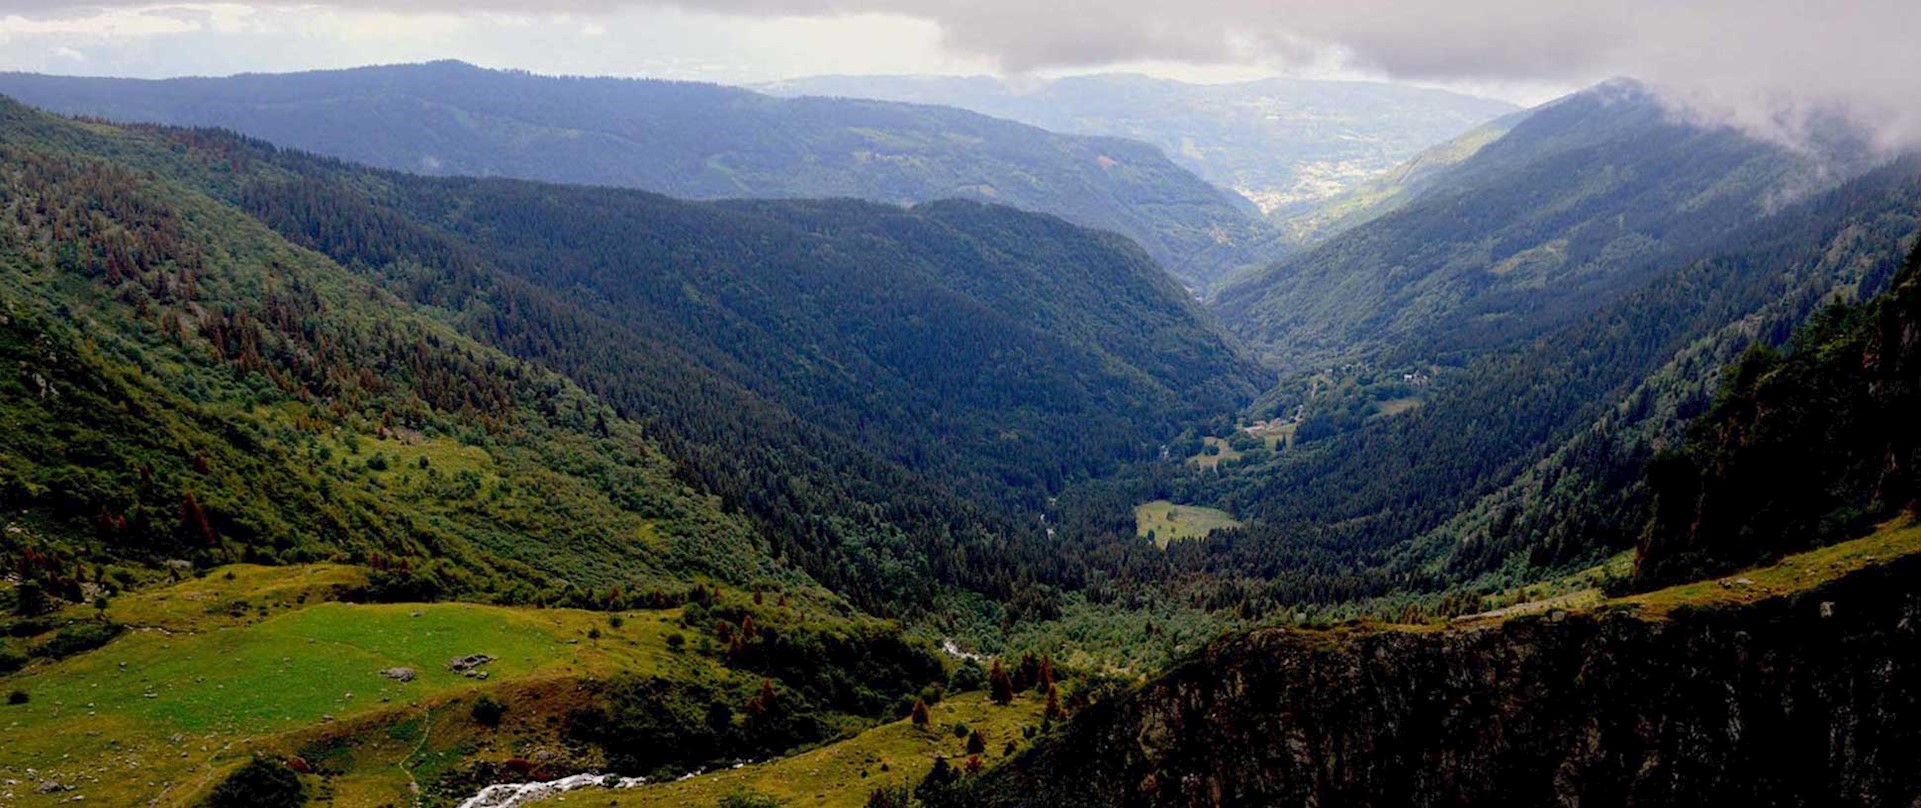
x=693 y=140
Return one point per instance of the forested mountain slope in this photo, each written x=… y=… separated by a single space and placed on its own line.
x=1804 y=445
x=1287 y=144
x=1711 y=692
x=183 y=383
x=695 y=141
x=889 y=394
x=1532 y=457
x=1586 y=199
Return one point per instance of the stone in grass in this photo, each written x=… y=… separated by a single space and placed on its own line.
x=399 y=674
x=468 y=663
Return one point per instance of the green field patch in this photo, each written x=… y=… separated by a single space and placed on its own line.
x=1395 y=406
x=227 y=596
x=1164 y=522
x=1214 y=452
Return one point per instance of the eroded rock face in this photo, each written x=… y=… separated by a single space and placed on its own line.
x=1771 y=704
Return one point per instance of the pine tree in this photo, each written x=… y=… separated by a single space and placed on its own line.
x=193 y=520
x=919 y=713
x=1000 y=687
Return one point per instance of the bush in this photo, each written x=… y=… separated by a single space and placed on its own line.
x=898 y=797
x=76 y=639
x=10 y=662
x=261 y=783
x=398 y=586
x=18 y=697
x=29 y=599
x=747 y=799
x=487 y=711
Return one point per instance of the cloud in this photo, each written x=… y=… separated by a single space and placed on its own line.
x=1765 y=65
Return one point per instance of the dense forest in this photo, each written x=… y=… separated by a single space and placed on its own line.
x=891 y=396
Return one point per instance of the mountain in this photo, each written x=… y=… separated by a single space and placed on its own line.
x=1290 y=145
x=184 y=384
x=887 y=394
x=1587 y=198
x=1529 y=459
x=1578 y=697
x=695 y=141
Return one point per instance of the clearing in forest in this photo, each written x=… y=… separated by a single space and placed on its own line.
x=1166 y=522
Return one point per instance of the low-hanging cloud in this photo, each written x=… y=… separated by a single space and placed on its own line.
x=1768 y=66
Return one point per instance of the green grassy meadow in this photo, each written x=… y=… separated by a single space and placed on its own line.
x=1167 y=522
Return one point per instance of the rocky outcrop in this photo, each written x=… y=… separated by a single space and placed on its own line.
x=1809 y=700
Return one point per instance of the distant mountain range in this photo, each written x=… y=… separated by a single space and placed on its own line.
x=1286 y=144
x=697 y=141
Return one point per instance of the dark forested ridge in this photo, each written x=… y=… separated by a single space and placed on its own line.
x=1804 y=445
x=1584 y=200
x=698 y=141
x=1736 y=706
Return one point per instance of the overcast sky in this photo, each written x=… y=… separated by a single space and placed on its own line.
x=1765 y=65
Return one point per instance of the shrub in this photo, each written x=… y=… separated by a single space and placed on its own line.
x=77 y=638
x=487 y=711
x=919 y=713
x=18 y=697
x=261 y=783
x=747 y=799
x=898 y=797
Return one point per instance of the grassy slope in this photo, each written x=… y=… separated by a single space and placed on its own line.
x=843 y=774
x=154 y=713
x=1791 y=574
x=160 y=712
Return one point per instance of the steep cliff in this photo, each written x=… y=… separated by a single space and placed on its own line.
x=1810 y=699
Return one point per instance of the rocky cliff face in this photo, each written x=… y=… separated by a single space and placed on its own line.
x=1810 y=700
